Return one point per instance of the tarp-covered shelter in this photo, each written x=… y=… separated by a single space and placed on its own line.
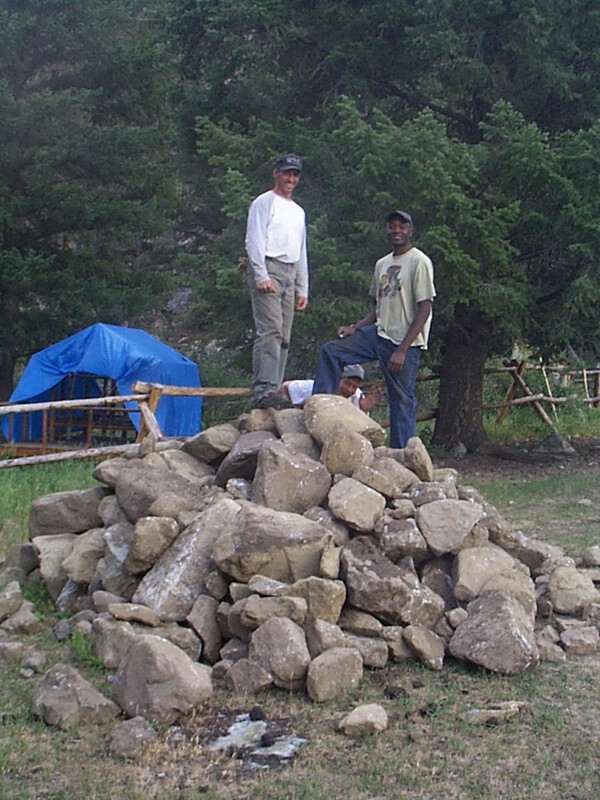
x=78 y=367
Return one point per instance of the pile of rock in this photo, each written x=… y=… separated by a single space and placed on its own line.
x=292 y=549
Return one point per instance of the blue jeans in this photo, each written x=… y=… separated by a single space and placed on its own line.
x=366 y=345
x=273 y=316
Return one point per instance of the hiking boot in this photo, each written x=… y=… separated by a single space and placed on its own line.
x=271 y=400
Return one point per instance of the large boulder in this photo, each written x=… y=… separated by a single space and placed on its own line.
x=279 y=647
x=241 y=460
x=177 y=579
x=323 y=413
x=65 y=699
x=272 y=543
x=160 y=682
x=334 y=672
x=498 y=634
x=356 y=504
x=446 y=523
x=345 y=451
x=66 y=512
x=380 y=587
x=288 y=480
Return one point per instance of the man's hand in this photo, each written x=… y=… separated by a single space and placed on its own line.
x=396 y=361
x=371 y=399
x=301 y=303
x=345 y=330
x=267 y=287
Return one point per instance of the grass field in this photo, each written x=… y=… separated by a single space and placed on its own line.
x=550 y=750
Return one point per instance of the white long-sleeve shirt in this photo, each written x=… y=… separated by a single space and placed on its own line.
x=277 y=229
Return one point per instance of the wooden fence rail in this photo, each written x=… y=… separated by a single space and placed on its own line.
x=148 y=395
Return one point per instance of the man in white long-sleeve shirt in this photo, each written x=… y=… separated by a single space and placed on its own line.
x=277 y=277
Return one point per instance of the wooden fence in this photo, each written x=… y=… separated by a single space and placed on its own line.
x=148 y=395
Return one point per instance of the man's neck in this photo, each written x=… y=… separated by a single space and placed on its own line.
x=279 y=193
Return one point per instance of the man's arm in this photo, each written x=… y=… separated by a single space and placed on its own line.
x=302 y=277
x=256 y=243
x=348 y=330
x=424 y=309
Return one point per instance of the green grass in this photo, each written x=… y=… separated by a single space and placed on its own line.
x=550 y=750
x=19 y=487
x=561 y=509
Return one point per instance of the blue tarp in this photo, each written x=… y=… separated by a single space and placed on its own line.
x=126 y=355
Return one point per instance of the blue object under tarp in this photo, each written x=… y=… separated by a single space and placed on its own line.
x=125 y=355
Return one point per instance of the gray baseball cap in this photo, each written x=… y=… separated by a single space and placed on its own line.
x=353 y=371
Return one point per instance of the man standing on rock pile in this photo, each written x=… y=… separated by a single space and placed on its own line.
x=277 y=278
x=394 y=332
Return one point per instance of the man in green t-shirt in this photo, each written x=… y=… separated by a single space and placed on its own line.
x=394 y=332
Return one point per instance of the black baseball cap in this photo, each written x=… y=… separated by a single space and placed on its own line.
x=288 y=162
x=404 y=215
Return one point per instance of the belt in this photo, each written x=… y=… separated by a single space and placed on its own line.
x=279 y=261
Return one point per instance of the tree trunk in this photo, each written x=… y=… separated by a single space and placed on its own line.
x=7 y=368
x=460 y=417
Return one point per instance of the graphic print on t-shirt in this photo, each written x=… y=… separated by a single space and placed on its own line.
x=390 y=283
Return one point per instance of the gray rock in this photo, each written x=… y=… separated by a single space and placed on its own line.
x=151 y=537
x=177 y=579
x=279 y=646
x=426 y=645
x=325 y=412
x=65 y=699
x=241 y=460
x=82 y=562
x=275 y=544
x=212 y=444
x=247 y=677
x=345 y=451
x=374 y=651
x=203 y=619
x=364 y=719
x=52 y=550
x=66 y=512
x=189 y=467
x=334 y=672
x=11 y=598
x=130 y=739
x=417 y=459
x=355 y=503
x=158 y=681
x=287 y=480
x=324 y=598
x=110 y=572
x=445 y=524
x=497 y=635
x=570 y=590
x=139 y=486
x=475 y=566
x=399 y=538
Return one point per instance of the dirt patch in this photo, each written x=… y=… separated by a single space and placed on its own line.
x=522 y=459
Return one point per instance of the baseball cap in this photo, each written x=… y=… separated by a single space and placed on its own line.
x=288 y=162
x=353 y=371
x=401 y=214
